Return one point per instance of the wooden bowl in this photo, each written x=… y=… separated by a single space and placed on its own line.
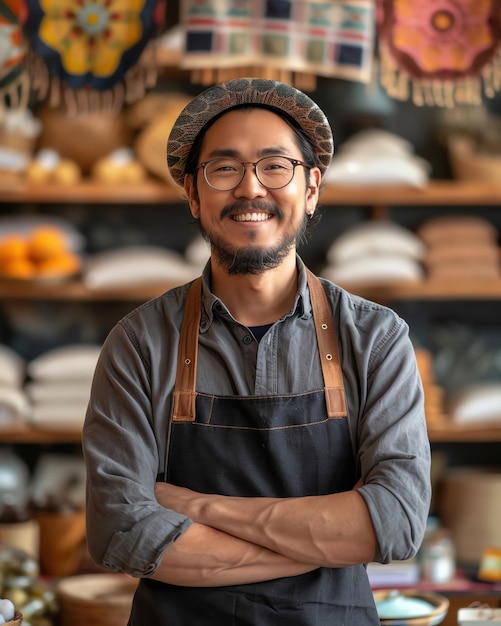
x=97 y=599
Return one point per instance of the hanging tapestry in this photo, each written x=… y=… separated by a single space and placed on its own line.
x=92 y=51
x=14 y=85
x=440 y=52
x=289 y=40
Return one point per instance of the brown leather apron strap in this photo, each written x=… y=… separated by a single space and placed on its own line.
x=327 y=348
x=187 y=356
x=184 y=392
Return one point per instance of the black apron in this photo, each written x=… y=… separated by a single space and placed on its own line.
x=276 y=446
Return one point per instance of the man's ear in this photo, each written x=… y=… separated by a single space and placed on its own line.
x=192 y=195
x=313 y=190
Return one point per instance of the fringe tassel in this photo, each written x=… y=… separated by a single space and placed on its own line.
x=137 y=80
x=441 y=93
x=16 y=95
x=209 y=76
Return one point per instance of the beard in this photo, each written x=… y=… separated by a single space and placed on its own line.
x=253 y=259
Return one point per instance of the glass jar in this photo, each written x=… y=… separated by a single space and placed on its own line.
x=438 y=556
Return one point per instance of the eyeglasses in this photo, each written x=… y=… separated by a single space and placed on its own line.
x=273 y=172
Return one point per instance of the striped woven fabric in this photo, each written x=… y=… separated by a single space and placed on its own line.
x=292 y=41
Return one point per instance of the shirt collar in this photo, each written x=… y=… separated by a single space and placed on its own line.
x=212 y=305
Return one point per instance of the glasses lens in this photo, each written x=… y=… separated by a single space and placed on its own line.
x=224 y=174
x=274 y=171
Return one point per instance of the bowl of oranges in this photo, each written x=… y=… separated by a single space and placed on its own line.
x=43 y=253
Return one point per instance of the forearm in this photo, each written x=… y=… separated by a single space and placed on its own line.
x=326 y=531
x=206 y=557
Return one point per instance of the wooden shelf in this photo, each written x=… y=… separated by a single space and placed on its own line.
x=56 y=433
x=450 y=433
x=437 y=192
x=428 y=290
x=90 y=192
x=75 y=290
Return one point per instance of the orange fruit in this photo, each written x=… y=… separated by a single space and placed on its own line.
x=13 y=247
x=18 y=268
x=65 y=264
x=46 y=242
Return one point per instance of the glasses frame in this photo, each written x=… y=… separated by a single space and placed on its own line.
x=294 y=162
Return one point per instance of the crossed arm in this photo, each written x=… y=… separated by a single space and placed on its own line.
x=241 y=540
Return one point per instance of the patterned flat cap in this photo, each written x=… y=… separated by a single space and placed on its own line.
x=267 y=93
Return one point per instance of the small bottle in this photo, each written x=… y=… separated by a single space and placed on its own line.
x=438 y=556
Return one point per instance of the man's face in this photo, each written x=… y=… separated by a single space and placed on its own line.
x=252 y=228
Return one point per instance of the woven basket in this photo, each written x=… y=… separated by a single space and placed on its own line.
x=17 y=141
x=97 y=599
x=468 y=164
x=62 y=542
x=17 y=621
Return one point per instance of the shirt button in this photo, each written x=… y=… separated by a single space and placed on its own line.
x=203 y=324
x=218 y=308
x=248 y=339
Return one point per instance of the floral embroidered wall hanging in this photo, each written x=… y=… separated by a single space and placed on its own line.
x=14 y=83
x=91 y=51
x=289 y=40
x=440 y=52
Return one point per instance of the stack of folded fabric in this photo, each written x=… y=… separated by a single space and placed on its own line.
x=13 y=402
x=141 y=265
x=377 y=157
x=375 y=252
x=460 y=247
x=59 y=385
x=478 y=404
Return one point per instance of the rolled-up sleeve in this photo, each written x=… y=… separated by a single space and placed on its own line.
x=127 y=530
x=388 y=420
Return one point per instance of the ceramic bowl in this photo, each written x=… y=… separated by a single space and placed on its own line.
x=410 y=608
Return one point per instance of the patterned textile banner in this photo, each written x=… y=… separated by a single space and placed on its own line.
x=14 y=84
x=440 y=52
x=289 y=40
x=90 y=51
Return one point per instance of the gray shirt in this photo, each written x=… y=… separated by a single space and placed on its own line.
x=125 y=431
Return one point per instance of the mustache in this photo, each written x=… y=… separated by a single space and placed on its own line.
x=251 y=205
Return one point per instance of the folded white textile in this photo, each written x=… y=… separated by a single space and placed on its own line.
x=13 y=405
x=385 y=169
x=70 y=414
x=376 y=238
x=378 y=269
x=477 y=404
x=376 y=156
x=71 y=362
x=12 y=367
x=137 y=265
x=54 y=391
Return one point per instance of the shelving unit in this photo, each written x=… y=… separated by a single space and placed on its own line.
x=377 y=199
x=378 y=202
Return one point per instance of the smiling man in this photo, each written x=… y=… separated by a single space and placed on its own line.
x=255 y=437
